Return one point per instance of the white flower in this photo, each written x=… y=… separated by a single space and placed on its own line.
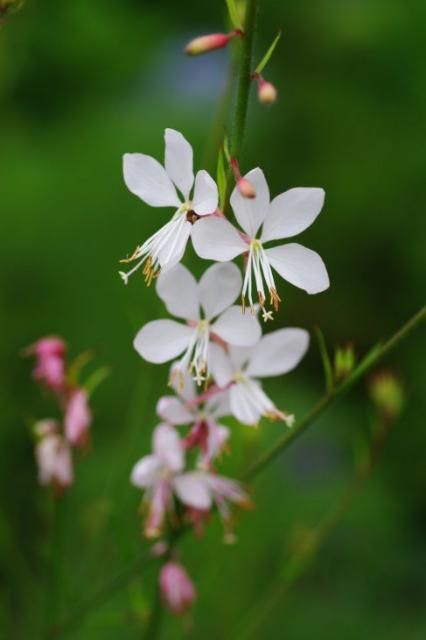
x=155 y=185
x=214 y=238
x=53 y=456
x=206 y=432
x=161 y=475
x=275 y=354
x=163 y=340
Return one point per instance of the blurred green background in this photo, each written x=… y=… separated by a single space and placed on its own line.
x=80 y=84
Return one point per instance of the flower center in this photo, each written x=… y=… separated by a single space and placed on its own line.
x=259 y=272
x=195 y=358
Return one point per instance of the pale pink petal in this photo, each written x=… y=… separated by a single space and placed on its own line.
x=172 y=410
x=206 y=196
x=226 y=488
x=146 y=472
x=292 y=212
x=301 y=266
x=237 y=328
x=239 y=356
x=146 y=178
x=251 y=212
x=78 y=417
x=214 y=238
x=220 y=365
x=278 y=352
x=218 y=288
x=162 y=340
x=178 y=161
x=167 y=446
x=178 y=290
x=218 y=405
x=192 y=490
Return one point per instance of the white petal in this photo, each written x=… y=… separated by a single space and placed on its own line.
x=239 y=356
x=187 y=391
x=292 y=212
x=242 y=409
x=237 y=328
x=167 y=446
x=178 y=290
x=178 y=161
x=193 y=491
x=251 y=212
x=214 y=238
x=162 y=340
x=145 y=472
x=172 y=410
x=278 y=352
x=173 y=251
x=218 y=406
x=206 y=195
x=147 y=179
x=220 y=365
x=301 y=266
x=218 y=288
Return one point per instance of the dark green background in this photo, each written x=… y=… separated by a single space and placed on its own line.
x=81 y=83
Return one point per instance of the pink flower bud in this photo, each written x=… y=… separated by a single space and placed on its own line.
x=50 y=365
x=211 y=42
x=266 y=92
x=246 y=188
x=78 y=418
x=53 y=457
x=176 y=588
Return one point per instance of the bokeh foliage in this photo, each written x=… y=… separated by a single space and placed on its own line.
x=81 y=83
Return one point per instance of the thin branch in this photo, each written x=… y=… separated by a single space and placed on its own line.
x=370 y=361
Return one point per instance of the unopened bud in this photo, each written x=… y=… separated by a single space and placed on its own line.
x=344 y=362
x=387 y=393
x=176 y=588
x=266 y=92
x=246 y=188
x=211 y=42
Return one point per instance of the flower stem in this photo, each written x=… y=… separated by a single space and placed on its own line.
x=244 y=80
x=377 y=354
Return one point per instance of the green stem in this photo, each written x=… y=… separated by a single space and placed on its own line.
x=156 y=615
x=244 y=80
x=326 y=401
x=55 y=560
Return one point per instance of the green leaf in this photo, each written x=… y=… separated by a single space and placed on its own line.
x=226 y=150
x=96 y=379
x=326 y=362
x=233 y=14
x=262 y=64
x=221 y=178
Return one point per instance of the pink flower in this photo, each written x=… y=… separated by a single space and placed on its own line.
x=176 y=588
x=78 y=417
x=50 y=365
x=53 y=457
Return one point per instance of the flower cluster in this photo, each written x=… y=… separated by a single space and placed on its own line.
x=56 y=438
x=216 y=347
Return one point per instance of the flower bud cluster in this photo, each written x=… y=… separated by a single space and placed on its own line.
x=55 y=438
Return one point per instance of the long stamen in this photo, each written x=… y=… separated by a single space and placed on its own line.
x=259 y=270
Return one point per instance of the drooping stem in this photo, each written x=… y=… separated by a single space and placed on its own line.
x=377 y=354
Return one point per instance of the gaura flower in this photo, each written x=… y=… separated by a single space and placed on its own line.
x=177 y=589
x=206 y=307
x=275 y=354
x=206 y=432
x=78 y=417
x=161 y=474
x=53 y=457
x=155 y=185
x=262 y=221
x=50 y=363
